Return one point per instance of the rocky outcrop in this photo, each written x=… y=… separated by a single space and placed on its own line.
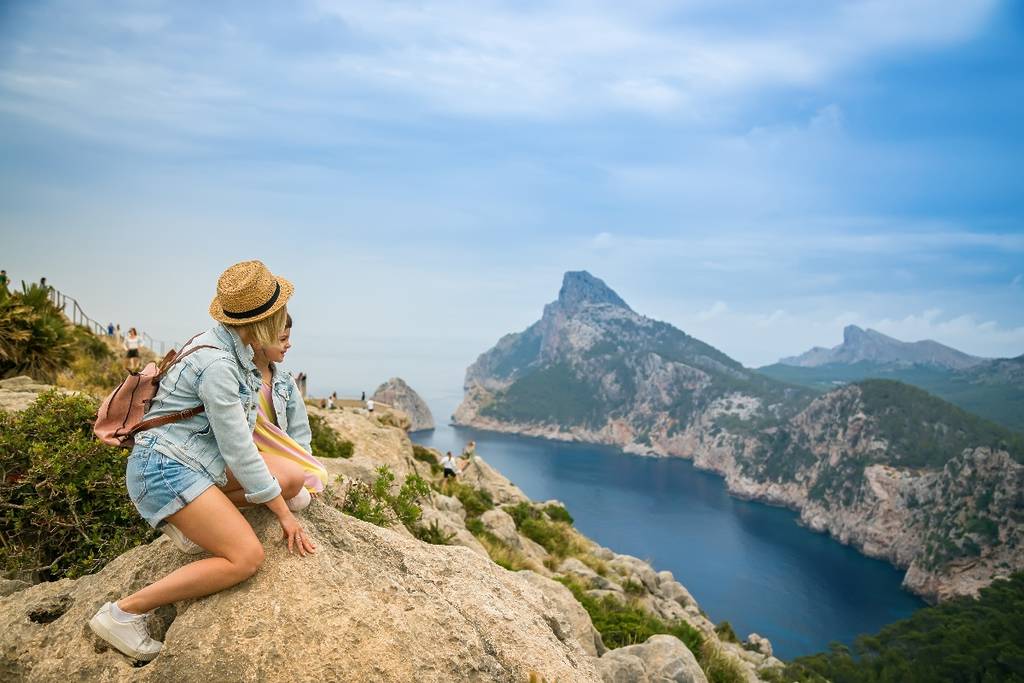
x=853 y=462
x=659 y=659
x=17 y=393
x=395 y=392
x=344 y=613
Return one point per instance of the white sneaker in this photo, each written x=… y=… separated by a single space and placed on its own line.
x=180 y=540
x=300 y=501
x=130 y=638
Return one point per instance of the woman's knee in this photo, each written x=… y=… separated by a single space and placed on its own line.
x=291 y=482
x=248 y=559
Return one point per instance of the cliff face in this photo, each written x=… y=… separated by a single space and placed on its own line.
x=397 y=393
x=875 y=464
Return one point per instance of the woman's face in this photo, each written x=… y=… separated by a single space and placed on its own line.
x=275 y=352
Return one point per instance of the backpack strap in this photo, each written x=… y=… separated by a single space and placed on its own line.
x=167 y=419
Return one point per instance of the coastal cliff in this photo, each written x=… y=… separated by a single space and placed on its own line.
x=884 y=467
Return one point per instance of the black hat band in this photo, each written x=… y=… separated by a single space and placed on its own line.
x=256 y=311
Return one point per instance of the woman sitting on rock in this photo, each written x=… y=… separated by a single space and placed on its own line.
x=175 y=471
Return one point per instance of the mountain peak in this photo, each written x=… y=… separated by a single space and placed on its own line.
x=580 y=287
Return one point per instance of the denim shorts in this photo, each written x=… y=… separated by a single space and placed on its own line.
x=160 y=486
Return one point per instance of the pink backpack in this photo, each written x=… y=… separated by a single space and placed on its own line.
x=120 y=415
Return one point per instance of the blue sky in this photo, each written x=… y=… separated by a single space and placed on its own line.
x=758 y=174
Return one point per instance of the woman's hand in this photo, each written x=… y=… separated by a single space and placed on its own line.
x=297 y=538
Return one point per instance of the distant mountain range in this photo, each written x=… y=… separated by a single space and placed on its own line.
x=860 y=345
x=992 y=388
x=881 y=465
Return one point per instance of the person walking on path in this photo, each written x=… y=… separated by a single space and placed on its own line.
x=369 y=404
x=178 y=474
x=110 y=330
x=363 y=397
x=4 y=280
x=131 y=346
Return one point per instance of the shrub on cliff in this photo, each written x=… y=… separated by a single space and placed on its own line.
x=375 y=503
x=64 y=508
x=35 y=336
x=326 y=442
x=555 y=536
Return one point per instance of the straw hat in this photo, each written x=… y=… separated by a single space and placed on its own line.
x=247 y=292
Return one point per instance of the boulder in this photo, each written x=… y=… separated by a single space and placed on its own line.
x=482 y=476
x=370 y=605
x=660 y=659
x=18 y=393
x=759 y=643
x=501 y=524
x=577 y=618
x=395 y=392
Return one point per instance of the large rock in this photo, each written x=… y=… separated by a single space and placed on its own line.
x=395 y=392
x=580 y=625
x=482 y=476
x=659 y=659
x=375 y=445
x=370 y=605
x=18 y=393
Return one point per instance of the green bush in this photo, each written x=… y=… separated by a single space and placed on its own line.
x=558 y=513
x=476 y=501
x=326 y=443
x=632 y=587
x=625 y=623
x=433 y=534
x=64 y=508
x=556 y=537
x=375 y=503
x=726 y=632
x=36 y=339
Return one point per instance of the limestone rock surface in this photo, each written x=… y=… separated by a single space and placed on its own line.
x=659 y=659
x=370 y=605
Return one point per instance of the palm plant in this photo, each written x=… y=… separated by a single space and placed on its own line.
x=35 y=336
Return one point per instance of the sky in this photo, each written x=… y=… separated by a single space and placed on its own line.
x=757 y=174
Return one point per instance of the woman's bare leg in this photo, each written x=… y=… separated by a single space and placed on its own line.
x=289 y=475
x=215 y=524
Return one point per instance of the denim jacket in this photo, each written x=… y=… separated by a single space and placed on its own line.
x=289 y=407
x=227 y=382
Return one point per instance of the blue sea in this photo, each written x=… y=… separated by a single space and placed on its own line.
x=744 y=562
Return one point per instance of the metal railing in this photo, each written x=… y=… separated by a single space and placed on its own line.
x=78 y=317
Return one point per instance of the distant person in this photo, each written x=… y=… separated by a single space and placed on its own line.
x=330 y=402
x=369 y=405
x=450 y=465
x=131 y=346
x=110 y=330
x=363 y=398
x=42 y=282
x=4 y=280
x=469 y=452
x=323 y=403
x=302 y=383
x=117 y=333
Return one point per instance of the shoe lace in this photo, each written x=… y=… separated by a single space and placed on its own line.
x=142 y=627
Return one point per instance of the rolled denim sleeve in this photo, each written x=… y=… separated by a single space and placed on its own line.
x=218 y=389
x=298 y=418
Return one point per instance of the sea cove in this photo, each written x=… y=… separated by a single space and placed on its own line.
x=744 y=562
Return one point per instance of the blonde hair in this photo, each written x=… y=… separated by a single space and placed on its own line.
x=265 y=332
